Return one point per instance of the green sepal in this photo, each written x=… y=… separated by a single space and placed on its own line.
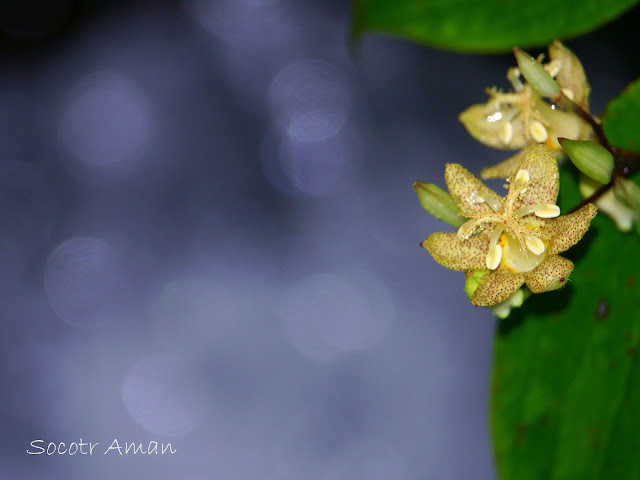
x=438 y=203
x=536 y=75
x=590 y=158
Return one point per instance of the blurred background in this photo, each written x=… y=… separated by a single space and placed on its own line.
x=208 y=237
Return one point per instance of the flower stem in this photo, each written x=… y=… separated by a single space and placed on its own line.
x=625 y=161
x=594 y=196
x=587 y=117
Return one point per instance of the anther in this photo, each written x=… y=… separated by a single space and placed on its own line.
x=534 y=244
x=553 y=67
x=494 y=256
x=538 y=131
x=506 y=132
x=568 y=93
x=542 y=210
x=522 y=177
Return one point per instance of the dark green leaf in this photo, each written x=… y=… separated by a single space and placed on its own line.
x=622 y=119
x=487 y=26
x=566 y=382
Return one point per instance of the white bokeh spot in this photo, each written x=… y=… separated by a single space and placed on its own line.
x=325 y=315
x=104 y=122
x=163 y=395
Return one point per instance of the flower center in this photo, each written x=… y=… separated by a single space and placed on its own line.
x=517 y=260
x=517 y=240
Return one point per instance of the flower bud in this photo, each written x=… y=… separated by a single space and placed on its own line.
x=533 y=71
x=571 y=75
x=590 y=158
x=628 y=192
x=608 y=203
x=503 y=309
x=438 y=203
x=473 y=280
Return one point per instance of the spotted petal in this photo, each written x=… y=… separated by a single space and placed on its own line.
x=496 y=287
x=451 y=252
x=571 y=75
x=551 y=274
x=567 y=230
x=499 y=132
x=463 y=187
x=543 y=173
x=503 y=169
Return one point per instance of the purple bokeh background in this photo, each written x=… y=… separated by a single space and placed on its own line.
x=208 y=237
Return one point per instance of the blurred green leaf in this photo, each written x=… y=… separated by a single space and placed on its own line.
x=622 y=119
x=566 y=381
x=487 y=26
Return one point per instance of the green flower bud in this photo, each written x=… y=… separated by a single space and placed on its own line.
x=608 y=203
x=473 y=280
x=438 y=203
x=628 y=192
x=541 y=81
x=503 y=309
x=590 y=158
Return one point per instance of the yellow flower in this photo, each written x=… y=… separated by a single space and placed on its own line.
x=521 y=118
x=518 y=237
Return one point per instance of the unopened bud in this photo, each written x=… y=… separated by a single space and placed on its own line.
x=503 y=309
x=438 y=203
x=533 y=71
x=571 y=75
x=473 y=281
x=628 y=192
x=608 y=203
x=590 y=158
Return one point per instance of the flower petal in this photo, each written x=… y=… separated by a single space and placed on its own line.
x=543 y=172
x=551 y=274
x=503 y=169
x=496 y=287
x=463 y=186
x=567 y=230
x=491 y=125
x=451 y=252
x=571 y=75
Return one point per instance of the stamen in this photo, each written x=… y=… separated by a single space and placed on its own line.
x=542 y=210
x=553 y=67
x=494 y=256
x=489 y=200
x=493 y=203
x=522 y=177
x=534 y=244
x=568 y=93
x=513 y=75
x=538 y=131
x=521 y=180
x=506 y=132
x=466 y=229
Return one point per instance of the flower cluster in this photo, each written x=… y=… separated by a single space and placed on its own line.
x=513 y=240
x=521 y=118
x=503 y=243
